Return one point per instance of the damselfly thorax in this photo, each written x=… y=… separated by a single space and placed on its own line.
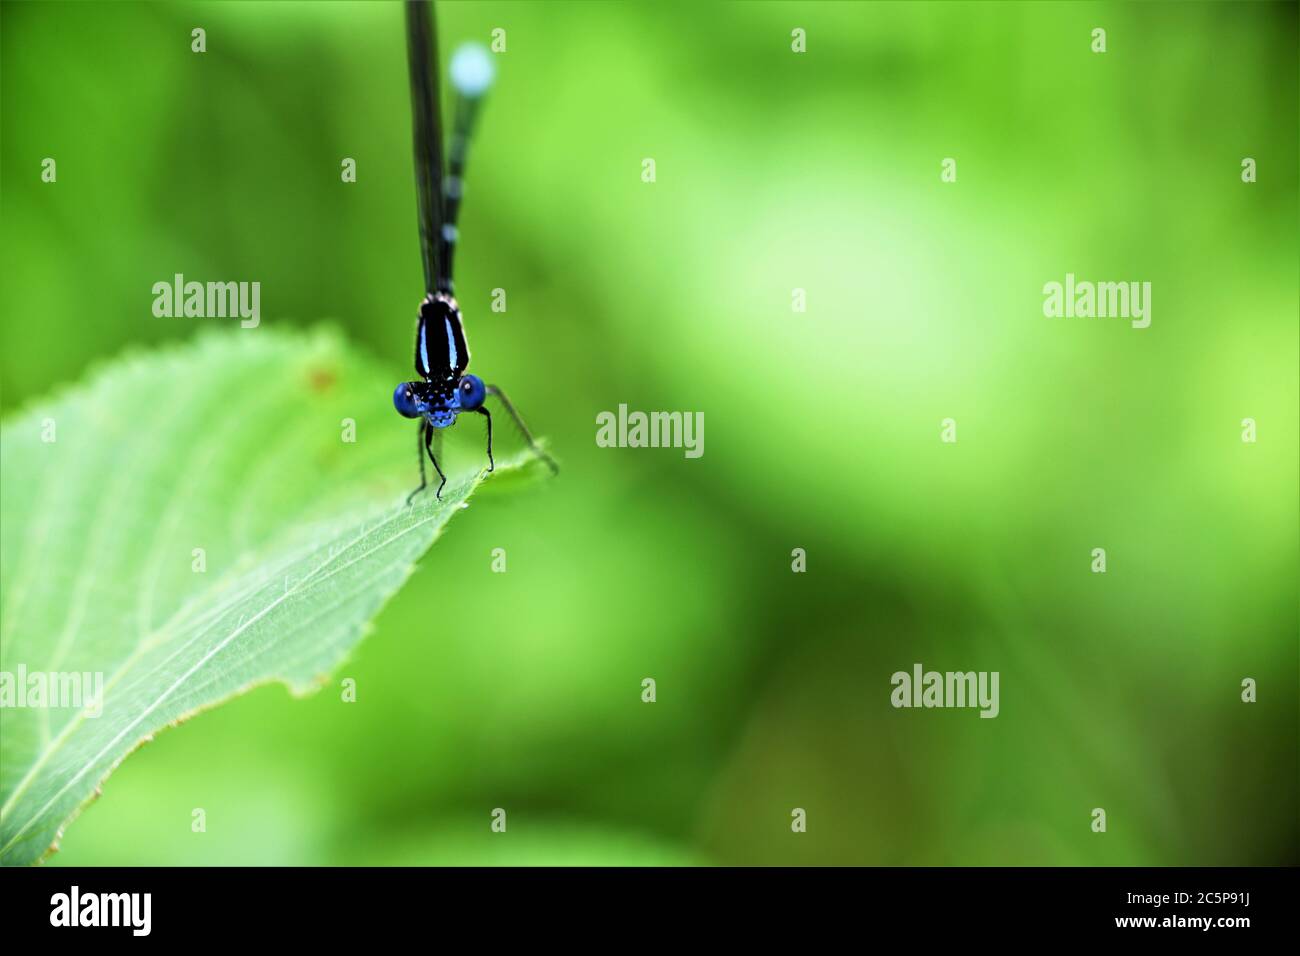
x=441 y=353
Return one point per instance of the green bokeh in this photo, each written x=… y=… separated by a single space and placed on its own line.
x=774 y=171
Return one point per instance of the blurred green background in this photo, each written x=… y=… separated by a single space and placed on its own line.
x=774 y=171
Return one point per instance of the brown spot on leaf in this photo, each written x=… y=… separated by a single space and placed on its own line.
x=321 y=378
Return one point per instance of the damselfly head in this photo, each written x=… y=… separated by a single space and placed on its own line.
x=471 y=70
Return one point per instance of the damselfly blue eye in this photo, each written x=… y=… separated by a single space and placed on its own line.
x=472 y=392
x=404 y=401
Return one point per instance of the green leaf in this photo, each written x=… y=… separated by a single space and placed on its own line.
x=190 y=524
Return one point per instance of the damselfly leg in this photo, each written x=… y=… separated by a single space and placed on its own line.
x=433 y=447
x=428 y=436
x=523 y=430
x=492 y=465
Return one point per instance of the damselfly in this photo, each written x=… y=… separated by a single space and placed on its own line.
x=441 y=355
